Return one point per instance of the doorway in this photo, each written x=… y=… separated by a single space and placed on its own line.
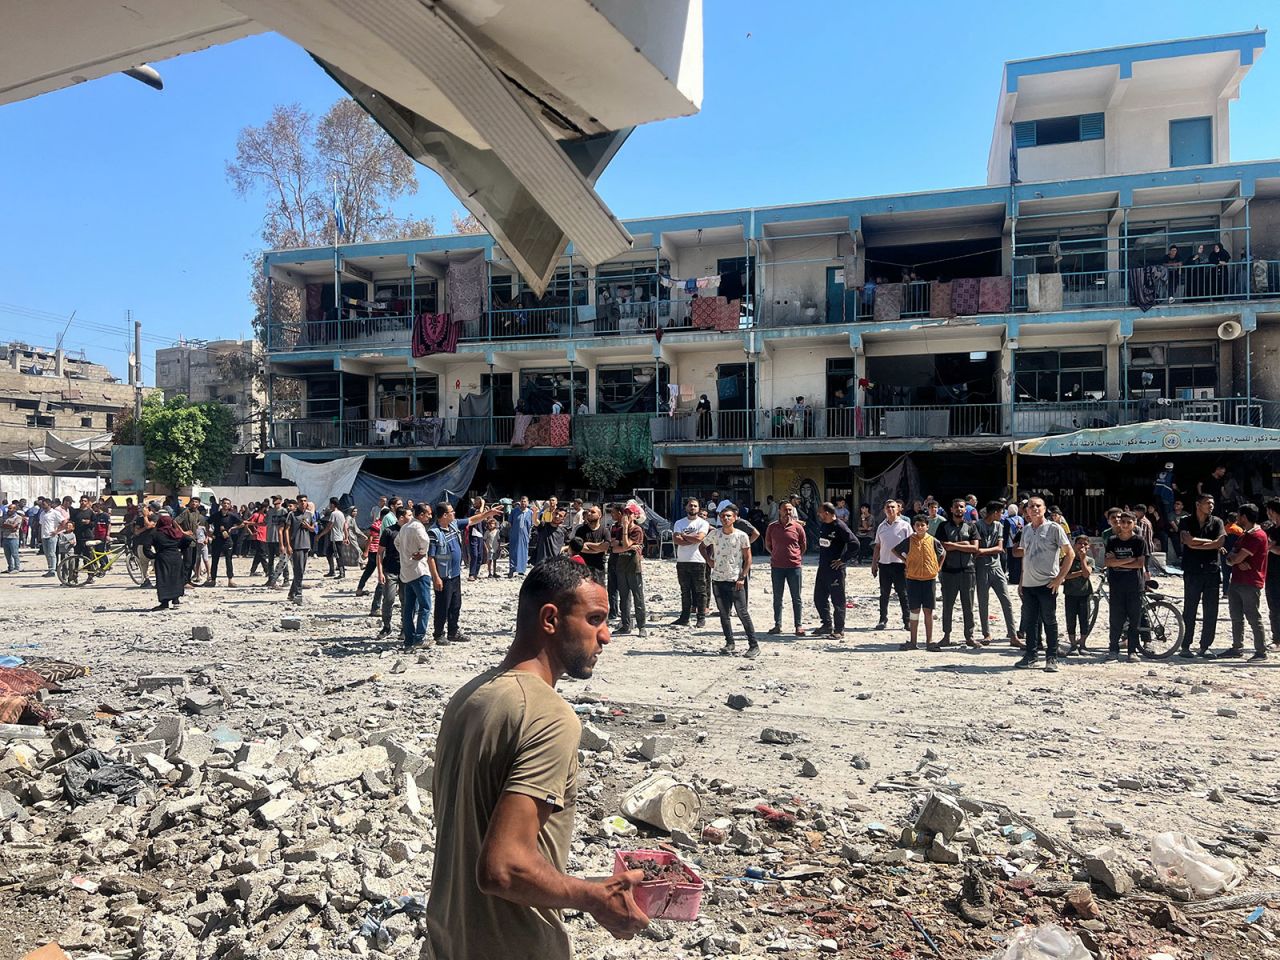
x=734 y=393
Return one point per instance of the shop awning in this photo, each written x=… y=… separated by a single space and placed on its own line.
x=1153 y=436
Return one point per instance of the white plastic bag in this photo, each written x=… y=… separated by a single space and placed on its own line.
x=1050 y=942
x=1188 y=869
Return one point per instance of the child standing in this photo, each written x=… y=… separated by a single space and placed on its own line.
x=923 y=555
x=492 y=546
x=1126 y=579
x=1077 y=588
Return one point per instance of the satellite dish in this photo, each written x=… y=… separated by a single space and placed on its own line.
x=1229 y=330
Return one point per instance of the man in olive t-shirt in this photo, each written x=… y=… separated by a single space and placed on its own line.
x=505 y=788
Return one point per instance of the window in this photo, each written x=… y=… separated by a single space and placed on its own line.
x=111 y=421
x=1149 y=241
x=408 y=300
x=1051 y=130
x=540 y=388
x=86 y=421
x=1082 y=250
x=631 y=388
x=1174 y=371
x=737 y=277
x=1051 y=376
x=394 y=397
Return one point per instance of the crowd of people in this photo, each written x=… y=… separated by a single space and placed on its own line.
x=417 y=556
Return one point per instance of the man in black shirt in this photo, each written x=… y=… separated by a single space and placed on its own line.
x=1273 y=567
x=389 y=567
x=1202 y=535
x=836 y=547
x=1126 y=577
x=80 y=522
x=959 y=538
x=222 y=525
x=595 y=541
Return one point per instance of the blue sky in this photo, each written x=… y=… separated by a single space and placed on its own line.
x=114 y=196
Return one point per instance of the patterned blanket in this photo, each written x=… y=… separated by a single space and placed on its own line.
x=964 y=296
x=994 y=294
x=940 y=300
x=888 y=304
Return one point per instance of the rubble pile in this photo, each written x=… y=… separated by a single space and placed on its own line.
x=266 y=793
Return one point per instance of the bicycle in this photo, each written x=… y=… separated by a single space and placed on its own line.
x=77 y=570
x=1160 y=624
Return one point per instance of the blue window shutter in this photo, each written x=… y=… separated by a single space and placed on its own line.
x=1024 y=133
x=1092 y=126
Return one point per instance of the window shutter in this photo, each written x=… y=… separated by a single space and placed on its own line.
x=1024 y=133
x=1092 y=126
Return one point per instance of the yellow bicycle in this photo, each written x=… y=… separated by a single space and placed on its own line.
x=78 y=570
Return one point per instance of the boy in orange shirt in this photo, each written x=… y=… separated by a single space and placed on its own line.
x=923 y=555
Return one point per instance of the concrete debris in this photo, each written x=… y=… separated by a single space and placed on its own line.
x=940 y=815
x=343 y=767
x=656 y=746
x=1105 y=867
x=770 y=735
x=202 y=702
x=202 y=633
x=738 y=701
x=593 y=738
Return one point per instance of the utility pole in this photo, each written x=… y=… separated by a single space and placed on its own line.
x=137 y=379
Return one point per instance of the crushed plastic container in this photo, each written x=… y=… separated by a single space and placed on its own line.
x=1187 y=869
x=664 y=802
x=1050 y=942
x=663 y=899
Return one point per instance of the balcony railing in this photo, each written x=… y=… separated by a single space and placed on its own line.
x=418 y=433
x=955 y=421
x=1190 y=283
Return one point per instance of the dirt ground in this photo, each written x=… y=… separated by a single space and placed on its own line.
x=1098 y=754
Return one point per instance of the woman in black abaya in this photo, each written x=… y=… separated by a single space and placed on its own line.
x=164 y=545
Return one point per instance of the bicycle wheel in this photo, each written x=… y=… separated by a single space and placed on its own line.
x=69 y=572
x=1161 y=631
x=1095 y=604
x=133 y=566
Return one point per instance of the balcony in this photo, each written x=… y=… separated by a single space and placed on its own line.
x=993 y=421
x=354 y=333
x=421 y=433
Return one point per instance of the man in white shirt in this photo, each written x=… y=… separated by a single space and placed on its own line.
x=887 y=565
x=336 y=529
x=414 y=546
x=688 y=533
x=51 y=520
x=729 y=551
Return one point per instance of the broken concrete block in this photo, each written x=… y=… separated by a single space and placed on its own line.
x=403 y=759
x=196 y=748
x=784 y=737
x=202 y=633
x=656 y=745
x=255 y=753
x=343 y=767
x=162 y=681
x=70 y=740
x=1106 y=867
x=940 y=815
x=202 y=702
x=273 y=812
x=593 y=738
x=738 y=701
x=140 y=751
x=158 y=765
x=290 y=623
x=171 y=728
x=942 y=852
x=168 y=810
x=808 y=769
x=412 y=802
x=277 y=933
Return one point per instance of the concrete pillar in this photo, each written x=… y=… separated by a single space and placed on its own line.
x=57 y=362
x=13 y=358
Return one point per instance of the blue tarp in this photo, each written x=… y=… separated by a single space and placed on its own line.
x=451 y=483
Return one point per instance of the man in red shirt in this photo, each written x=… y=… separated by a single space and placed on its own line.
x=785 y=541
x=1248 y=562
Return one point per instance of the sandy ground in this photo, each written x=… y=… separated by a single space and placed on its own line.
x=1098 y=752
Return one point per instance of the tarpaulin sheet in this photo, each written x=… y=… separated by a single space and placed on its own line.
x=450 y=484
x=320 y=481
x=91 y=774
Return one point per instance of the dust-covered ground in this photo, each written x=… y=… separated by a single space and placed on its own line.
x=293 y=796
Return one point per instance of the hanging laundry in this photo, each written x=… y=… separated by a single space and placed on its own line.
x=435 y=333
x=994 y=294
x=1142 y=291
x=888 y=302
x=689 y=284
x=1044 y=292
x=940 y=300
x=964 y=296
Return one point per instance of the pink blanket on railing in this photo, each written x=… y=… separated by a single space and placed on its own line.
x=994 y=294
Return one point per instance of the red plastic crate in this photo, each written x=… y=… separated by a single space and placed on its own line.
x=663 y=899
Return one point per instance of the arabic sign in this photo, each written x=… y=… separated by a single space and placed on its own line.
x=1156 y=436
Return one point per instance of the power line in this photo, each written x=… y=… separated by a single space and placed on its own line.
x=45 y=316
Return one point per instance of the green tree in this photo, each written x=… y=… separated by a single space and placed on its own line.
x=185 y=442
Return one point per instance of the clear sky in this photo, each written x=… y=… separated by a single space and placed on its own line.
x=114 y=196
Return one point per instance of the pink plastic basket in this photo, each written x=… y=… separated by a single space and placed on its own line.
x=663 y=899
